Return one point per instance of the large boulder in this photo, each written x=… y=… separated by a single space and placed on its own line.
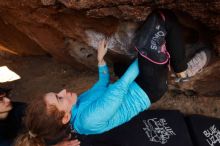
x=70 y=30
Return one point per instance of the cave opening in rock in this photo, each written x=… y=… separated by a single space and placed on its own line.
x=70 y=30
x=31 y=37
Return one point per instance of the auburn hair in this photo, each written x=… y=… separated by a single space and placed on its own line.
x=43 y=122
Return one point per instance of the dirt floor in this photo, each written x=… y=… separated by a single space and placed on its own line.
x=42 y=74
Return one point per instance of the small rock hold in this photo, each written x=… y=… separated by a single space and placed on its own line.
x=48 y=2
x=190 y=93
x=175 y=92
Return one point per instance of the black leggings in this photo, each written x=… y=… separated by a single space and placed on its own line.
x=153 y=77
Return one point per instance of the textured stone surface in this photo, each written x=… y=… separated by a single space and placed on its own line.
x=70 y=30
x=206 y=11
x=15 y=42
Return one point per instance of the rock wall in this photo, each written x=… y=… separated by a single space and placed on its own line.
x=70 y=30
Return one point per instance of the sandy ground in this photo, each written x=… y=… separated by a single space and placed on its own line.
x=42 y=74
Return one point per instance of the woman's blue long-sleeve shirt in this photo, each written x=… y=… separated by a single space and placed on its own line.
x=106 y=106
